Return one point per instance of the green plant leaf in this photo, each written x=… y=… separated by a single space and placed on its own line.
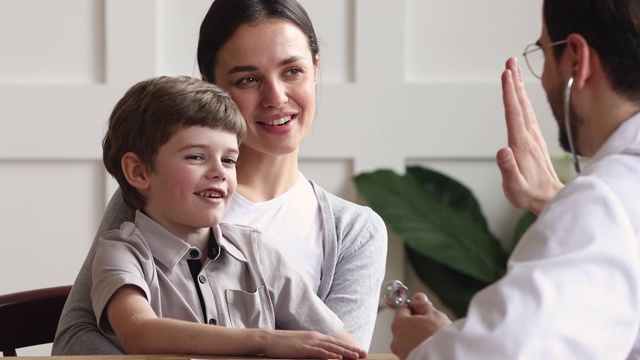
x=436 y=230
x=449 y=191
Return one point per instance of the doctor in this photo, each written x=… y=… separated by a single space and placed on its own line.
x=572 y=289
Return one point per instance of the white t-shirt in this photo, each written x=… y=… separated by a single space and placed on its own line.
x=291 y=222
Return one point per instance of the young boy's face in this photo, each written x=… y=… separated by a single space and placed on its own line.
x=193 y=180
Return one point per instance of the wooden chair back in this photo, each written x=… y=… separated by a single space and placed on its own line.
x=30 y=317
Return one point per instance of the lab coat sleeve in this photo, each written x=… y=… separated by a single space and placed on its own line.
x=570 y=291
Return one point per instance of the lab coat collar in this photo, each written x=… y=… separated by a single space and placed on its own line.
x=625 y=139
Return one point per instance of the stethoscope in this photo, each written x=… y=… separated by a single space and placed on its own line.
x=567 y=123
x=395 y=294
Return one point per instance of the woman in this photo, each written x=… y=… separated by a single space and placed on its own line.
x=265 y=54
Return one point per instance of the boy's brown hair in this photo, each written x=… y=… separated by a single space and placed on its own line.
x=152 y=111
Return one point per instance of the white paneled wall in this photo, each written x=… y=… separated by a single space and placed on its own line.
x=401 y=82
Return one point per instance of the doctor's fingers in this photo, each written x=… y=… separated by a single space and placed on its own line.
x=529 y=116
x=403 y=312
x=421 y=305
x=513 y=112
x=523 y=129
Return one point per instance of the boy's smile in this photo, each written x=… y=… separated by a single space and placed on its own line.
x=192 y=181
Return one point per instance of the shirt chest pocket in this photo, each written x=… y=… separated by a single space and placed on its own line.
x=250 y=310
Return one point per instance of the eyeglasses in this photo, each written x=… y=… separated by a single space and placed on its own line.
x=534 y=56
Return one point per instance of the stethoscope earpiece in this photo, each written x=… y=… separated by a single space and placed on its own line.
x=567 y=121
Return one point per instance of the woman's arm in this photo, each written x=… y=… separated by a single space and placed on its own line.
x=360 y=266
x=78 y=333
x=141 y=331
x=296 y=306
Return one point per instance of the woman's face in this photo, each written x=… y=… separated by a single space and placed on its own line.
x=269 y=72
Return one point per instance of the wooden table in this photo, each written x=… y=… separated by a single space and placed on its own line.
x=172 y=357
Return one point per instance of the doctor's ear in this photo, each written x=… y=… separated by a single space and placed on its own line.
x=581 y=57
x=135 y=171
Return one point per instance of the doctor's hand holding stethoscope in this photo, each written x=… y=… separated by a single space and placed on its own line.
x=416 y=318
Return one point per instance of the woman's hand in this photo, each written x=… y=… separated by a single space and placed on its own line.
x=529 y=180
x=412 y=325
x=285 y=344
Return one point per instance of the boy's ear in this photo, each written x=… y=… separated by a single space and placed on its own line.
x=134 y=171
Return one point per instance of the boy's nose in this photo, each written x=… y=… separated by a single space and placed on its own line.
x=216 y=171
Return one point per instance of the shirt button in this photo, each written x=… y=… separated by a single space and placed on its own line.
x=213 y=322
x=193 y=253
x=202 y=279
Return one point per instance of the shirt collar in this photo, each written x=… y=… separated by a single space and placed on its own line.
x=169 y=249
x=228 y=245
x=625 y=139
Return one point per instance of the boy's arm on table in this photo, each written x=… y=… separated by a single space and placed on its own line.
x=141 y=331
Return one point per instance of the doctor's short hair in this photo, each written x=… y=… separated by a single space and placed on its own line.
x=611 y=27
x=152 y=111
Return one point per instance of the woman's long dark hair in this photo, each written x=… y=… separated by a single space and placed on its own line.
x=225 y=16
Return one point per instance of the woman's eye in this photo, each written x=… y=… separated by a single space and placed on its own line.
x=295 y=71
x=247 y=80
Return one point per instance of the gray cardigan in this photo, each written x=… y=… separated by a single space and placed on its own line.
x=355 y=250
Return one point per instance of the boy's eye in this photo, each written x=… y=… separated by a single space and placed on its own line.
x=229 y=160
x=195 y=157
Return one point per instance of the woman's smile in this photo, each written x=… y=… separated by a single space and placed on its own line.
x=269 y=71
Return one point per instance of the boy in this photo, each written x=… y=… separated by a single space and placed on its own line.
x=176 y=280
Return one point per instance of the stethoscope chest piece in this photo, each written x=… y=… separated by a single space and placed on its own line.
x=395 y=294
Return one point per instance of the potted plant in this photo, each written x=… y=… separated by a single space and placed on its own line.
x=445 y=234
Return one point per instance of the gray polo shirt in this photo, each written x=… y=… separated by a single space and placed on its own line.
x=248 y=284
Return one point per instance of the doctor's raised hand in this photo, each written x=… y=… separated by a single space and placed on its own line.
x=529 y=180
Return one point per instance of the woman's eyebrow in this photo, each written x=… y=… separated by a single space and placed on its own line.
x=291 y=59
x=249 y=68
x=242 y=68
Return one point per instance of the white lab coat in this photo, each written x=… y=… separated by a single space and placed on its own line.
x=572 y=288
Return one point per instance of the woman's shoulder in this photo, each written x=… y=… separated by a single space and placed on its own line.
x=335 y=202
x=346 y=213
